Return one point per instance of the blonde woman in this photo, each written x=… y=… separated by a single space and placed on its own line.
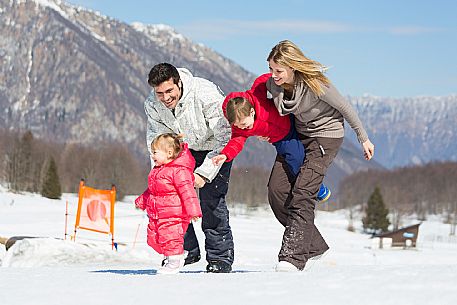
x=299 y=87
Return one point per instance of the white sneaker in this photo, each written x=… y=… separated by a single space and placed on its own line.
x=173 y=264
x=284 y=266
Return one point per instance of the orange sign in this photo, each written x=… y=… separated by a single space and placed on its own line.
x=95 y=209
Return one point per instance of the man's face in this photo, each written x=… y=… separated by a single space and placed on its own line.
x=168 y=93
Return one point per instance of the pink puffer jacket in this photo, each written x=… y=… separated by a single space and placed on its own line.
x=170 y=192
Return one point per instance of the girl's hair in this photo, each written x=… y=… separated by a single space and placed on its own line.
x=238 y=108
x=167 y=141
x=286 y=53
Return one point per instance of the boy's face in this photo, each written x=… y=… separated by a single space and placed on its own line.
x=247 y=122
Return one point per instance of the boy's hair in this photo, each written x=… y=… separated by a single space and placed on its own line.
x=237 y=109
x=161 y=73
x=167 y=141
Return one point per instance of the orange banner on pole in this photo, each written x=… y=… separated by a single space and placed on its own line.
x=95 y=210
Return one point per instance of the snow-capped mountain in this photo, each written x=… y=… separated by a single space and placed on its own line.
x=73 y=75
x=413 y=130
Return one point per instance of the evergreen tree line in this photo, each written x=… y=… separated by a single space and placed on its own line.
x=420 y=190
x=34 y=165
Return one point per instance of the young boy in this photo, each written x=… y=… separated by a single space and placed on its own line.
x=250 y=113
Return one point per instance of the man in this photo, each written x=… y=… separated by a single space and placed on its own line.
x=192 y=106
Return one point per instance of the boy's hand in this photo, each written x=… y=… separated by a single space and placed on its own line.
x=219 y=159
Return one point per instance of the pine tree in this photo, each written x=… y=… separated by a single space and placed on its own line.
x=376 y=219
x=51 y=184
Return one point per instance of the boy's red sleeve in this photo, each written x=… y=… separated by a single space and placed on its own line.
x=234 y=146
x=259 y=87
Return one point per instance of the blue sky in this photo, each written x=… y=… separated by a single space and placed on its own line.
x=387 y=48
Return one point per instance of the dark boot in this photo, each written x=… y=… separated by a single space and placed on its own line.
x=218 y=267
x=191 y=259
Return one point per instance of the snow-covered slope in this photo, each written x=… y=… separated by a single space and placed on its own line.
x=52 y=271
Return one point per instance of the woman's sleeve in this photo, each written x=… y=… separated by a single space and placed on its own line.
x=337 y=101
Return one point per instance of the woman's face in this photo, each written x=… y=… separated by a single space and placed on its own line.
x=281 y=74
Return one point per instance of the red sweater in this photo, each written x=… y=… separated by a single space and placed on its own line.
x=267 y=121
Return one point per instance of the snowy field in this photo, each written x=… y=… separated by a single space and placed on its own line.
x=49 y=270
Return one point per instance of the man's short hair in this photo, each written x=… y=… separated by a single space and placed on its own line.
x=161 y=73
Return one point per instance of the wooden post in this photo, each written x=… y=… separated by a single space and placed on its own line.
x=136 y=235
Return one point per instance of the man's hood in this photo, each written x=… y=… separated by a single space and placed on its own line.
x=187 y=82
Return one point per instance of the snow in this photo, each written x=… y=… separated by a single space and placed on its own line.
x=153 y=30
x=53 y=4
x=49 y=270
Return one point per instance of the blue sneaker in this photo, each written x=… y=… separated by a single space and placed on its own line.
x=324 y=193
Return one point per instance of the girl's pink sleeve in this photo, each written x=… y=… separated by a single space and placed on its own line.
x=184 y=183
x=142 y=201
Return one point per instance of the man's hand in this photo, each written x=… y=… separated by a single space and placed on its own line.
x=199 y=181
x=219 y=159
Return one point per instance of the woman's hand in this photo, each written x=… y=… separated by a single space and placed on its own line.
x=219 y=159
x=368 y=149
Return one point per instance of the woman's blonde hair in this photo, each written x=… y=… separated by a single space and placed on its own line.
x=286 y=53
x=237 y=109
x=168 y=141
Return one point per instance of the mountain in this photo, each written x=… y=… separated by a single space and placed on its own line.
x=73 y=75
x=413 y=130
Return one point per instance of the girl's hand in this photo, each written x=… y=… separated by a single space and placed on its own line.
x=195 y=218
x=219 y=159
x=368 y=149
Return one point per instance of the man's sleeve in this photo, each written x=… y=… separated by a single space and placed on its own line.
x=212 y=98
x=154 y=126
